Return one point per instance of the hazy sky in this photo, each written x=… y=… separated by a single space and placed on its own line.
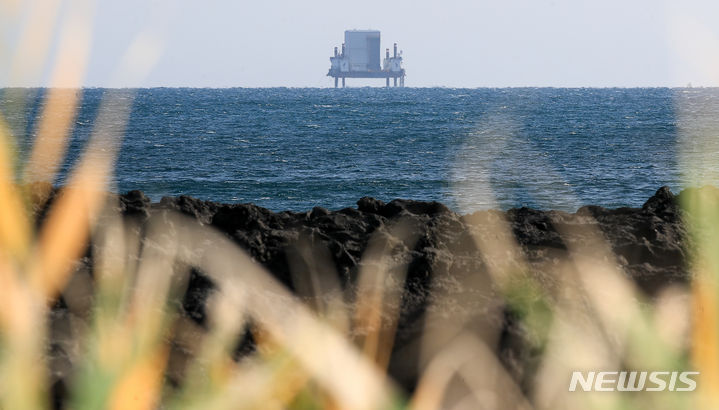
x=453 y=43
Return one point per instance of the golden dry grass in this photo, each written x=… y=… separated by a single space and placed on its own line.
x=330 y=353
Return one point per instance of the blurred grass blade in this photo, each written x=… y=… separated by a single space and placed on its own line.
x=315 y=278
x=318 y=348
x=15 y=233
x=705 y=337
x=34 y=44
x=488 y=383
x=64 y=94
x=140 y=387
x=703 y=221
x=64 y=234
x=379 y=290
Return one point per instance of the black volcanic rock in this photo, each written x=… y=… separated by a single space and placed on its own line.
x=662 y=204
x=371 y=205
x=649 y=243
x=202 y=210
x=134 y=203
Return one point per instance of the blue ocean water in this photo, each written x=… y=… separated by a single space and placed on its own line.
x=469 y=148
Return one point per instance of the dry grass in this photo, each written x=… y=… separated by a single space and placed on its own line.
x=331 y=352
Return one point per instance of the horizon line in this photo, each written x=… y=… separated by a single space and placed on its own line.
x=85 y=87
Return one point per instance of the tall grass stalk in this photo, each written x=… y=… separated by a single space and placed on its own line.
x=324 y=347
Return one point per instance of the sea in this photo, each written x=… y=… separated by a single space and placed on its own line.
x=472 y=149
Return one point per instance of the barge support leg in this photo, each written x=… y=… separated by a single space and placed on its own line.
x=395 y=81
x=343 y=82
x=387 y=82
x=336 y=78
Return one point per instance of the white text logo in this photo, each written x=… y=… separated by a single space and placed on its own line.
x=633 y=381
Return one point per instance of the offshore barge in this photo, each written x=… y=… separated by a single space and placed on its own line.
x=360 y=58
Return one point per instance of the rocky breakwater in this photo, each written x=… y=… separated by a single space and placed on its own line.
x=441 y=257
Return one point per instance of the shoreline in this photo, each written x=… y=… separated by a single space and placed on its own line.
x=648 y=240
x=649 y=244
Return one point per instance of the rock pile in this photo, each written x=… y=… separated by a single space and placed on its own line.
x=649 y=244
